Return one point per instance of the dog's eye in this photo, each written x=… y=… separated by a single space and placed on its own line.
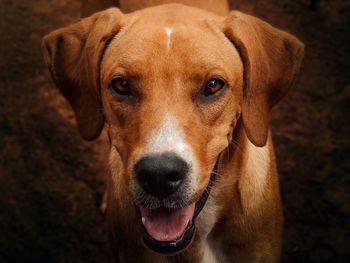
x=120 y=86
x=213 y=86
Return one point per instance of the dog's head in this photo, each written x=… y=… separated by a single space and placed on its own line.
x=171 y=82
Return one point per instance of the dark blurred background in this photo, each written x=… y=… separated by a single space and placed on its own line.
x=51 y=181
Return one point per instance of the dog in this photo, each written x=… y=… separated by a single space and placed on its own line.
x=185 y=90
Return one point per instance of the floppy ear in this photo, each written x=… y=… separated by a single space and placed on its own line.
x=271 y=60
x=73 y=55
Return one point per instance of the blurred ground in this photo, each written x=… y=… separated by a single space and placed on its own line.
x=51 y=182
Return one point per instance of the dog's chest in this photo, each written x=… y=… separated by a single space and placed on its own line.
x=213 y=254
x=209 y=256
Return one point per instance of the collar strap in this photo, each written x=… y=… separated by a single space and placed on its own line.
x=203 y=199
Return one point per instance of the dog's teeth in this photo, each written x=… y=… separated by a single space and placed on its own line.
x=143 y=220
x=188 y=221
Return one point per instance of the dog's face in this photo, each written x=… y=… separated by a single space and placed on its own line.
x=172 y=82
x=164 y=82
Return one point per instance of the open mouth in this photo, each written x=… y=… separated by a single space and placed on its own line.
x=169 y=230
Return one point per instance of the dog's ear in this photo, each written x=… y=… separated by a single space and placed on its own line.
x=73 y=55
x=271 y=60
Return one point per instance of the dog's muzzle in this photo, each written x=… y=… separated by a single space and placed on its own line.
x=168 y=230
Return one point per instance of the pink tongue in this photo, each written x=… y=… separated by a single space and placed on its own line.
x=165 y=225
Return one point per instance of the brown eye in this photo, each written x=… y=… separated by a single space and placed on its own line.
x=213 y=86
x=120 y=86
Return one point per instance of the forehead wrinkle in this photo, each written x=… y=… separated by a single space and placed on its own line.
x=155 y=60
x=125 y=28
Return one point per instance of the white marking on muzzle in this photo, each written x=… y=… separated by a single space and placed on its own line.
x=169 y=138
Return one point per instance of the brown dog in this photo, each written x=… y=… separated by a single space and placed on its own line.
x=186 y=95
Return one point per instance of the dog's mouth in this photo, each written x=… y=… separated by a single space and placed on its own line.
x=165 y=224
x=170 y=230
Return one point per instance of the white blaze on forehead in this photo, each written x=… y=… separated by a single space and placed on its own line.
x=169 y=31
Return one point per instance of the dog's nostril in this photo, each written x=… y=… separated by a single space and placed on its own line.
x=161 y=175
x=175 y=177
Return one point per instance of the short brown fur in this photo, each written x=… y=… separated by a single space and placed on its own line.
x=242 y=220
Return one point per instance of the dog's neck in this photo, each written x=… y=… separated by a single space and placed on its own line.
x=251 y=167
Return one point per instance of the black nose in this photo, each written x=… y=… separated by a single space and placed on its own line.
x=161 y=175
